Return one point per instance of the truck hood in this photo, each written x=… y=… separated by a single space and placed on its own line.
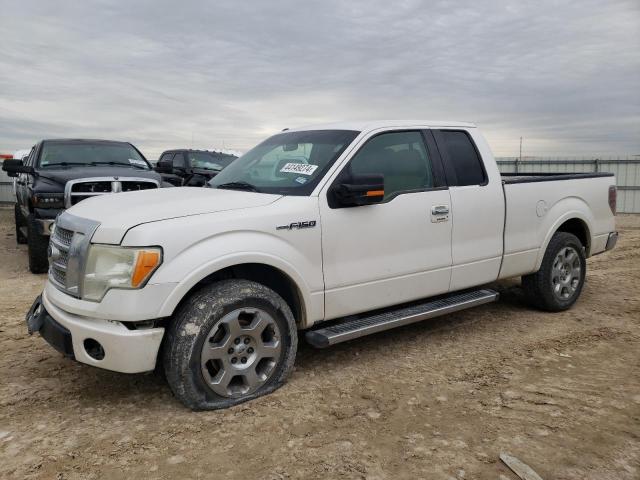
x=53 y=180
x=120 y=212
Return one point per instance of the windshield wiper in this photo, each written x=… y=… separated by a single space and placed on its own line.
x=239 y=186
x=57 y=164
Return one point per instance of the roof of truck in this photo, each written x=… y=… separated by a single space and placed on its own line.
x=375 y=124
x=81 y=140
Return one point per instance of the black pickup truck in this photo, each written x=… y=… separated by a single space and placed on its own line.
x=59 y=173
x=191 y=168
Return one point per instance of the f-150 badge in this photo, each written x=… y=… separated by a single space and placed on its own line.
x=297 y=225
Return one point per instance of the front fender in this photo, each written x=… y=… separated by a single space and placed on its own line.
x=212 y=254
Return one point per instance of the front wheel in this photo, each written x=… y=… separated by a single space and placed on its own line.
x=232 y=341
x=37 y=246
x=558 y=283
x=20 y=223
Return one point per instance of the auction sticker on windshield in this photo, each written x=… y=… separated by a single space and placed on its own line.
x=134 y=161
x=302 y=168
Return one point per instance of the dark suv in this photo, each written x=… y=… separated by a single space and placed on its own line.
x=192 y=168
x=60 y=173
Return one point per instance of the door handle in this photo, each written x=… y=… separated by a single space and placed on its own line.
x=440 y=210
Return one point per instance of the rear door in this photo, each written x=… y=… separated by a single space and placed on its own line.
x=394 y=251
x=477 y=207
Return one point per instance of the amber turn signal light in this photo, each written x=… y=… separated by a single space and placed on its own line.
x=375 y=193
x=146 y=263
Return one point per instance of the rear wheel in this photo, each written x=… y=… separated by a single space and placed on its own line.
x=37 y=247
x=559 y=282
x=20 y=223
x=230 y=342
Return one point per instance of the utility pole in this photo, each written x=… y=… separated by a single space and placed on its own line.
x=520 y=148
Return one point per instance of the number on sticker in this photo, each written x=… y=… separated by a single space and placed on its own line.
x=302 y=168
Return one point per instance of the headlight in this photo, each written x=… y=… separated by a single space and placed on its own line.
x=48 y=200
x=118 y=267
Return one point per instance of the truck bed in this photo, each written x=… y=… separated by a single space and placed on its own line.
x=510 y=178
x=537 y=202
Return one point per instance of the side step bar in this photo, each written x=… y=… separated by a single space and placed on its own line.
x=359 y=327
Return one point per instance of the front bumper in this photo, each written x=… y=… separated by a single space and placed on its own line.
x=44 y=226
x=121 y=349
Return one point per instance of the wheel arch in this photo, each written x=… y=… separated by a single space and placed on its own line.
x=269 y=275
x=575 y=223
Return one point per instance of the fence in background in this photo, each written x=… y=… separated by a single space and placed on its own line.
x=627 y=171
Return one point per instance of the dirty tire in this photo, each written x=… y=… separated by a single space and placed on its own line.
x=190 y=329
x=19 y=222
x=539 y=288
x=37 y=246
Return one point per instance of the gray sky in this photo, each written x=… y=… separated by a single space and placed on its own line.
x=564 y=75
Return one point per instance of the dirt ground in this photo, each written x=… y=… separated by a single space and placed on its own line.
x=437 y=400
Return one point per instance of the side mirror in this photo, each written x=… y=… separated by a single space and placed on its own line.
x=14 y=167
x=358 y=190
x=164 y=166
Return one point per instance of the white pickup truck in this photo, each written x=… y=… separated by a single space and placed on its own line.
x=337 y=230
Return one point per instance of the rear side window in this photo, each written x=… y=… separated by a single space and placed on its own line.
x=462 y=155
x=166 y=157
x=178 y=160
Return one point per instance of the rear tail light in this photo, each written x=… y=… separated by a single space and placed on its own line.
x=613 y=198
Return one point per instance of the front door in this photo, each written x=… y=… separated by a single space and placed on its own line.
x=394 y=251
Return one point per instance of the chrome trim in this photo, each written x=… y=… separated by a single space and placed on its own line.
x=440 y=209
x=44 y=226
x=76 y=251
x=116 y=186
x=359 y=327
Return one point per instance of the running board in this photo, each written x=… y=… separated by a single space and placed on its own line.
x=359 y=327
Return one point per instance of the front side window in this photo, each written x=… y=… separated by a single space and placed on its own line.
x=210 y=160
x=400 y=157
x=71 y=154
x=289 y=163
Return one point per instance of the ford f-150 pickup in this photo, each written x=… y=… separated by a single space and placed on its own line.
x=335 y=231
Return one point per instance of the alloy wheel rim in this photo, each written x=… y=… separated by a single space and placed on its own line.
x=241 y=352
x=566 y=273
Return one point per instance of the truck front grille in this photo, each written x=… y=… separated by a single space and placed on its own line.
x=83 y=188
x=132 y=186
x=63 y=236
x=57 y=275
x=91 y=187
x=68 y=247
x=60 y=244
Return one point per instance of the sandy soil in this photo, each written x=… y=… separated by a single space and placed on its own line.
x=440 y=399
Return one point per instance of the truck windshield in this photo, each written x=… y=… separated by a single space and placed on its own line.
x=290 y=163
x=210 y=160
x=73 y=154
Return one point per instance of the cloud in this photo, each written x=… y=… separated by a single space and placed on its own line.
x=163 y=74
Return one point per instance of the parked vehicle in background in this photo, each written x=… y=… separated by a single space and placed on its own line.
x=367 y=225
x=191 y=168
x=57 y=174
